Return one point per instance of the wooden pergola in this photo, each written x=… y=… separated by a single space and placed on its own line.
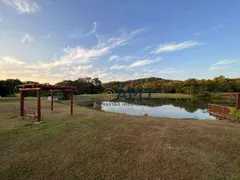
x=44 y=87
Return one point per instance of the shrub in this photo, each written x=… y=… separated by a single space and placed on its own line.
x=235 y=113
x=203 y=95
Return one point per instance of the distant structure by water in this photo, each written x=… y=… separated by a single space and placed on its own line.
x=55 y=98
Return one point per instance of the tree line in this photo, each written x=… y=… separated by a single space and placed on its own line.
x=158 y=85
x=189 y=86
x=86 y=85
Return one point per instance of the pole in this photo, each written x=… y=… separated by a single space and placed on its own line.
x=38 y=105
x=51 y=101
x=71 y=103
x=21 y=104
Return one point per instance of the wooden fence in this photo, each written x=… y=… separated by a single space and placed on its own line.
x=221 y=112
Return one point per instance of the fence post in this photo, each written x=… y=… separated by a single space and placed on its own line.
x=38 y=105
x=238 y=101
x=51 y=100
x=21 y=103
x=71 y=103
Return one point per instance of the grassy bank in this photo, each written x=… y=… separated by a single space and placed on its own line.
x=168 y=95
x=100 y=97
x=98 y=145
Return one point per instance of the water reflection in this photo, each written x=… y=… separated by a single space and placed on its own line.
x=173 y=108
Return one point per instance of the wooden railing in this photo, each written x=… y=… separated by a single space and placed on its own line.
x=221 y=112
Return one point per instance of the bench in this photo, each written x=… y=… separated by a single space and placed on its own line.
x=30 y=114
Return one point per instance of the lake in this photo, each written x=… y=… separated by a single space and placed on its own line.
x=172 y=108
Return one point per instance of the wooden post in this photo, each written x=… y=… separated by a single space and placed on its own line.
x=21 y=104
x=71 y=103
x=38 y=105
x=210 y=109
x=51 y=101
x=238 y=101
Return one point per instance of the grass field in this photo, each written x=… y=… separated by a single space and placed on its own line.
x=98 y=145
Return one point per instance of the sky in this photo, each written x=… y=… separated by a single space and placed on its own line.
x=51 y=40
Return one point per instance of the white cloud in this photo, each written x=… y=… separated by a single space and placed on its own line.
x=30 y=75
x=175 y=47
x=164 y=73
x=197 y=34
x=216 y=67
x=118 y=58
x=83 y=68
x=144 y=73
x=77 y=34
x=23 y=6
x=144 y=62
x=224 y=62
x=48 y=36
x=94 y=28
x=10 y=61
x=140 y=63
x=86 y=71
x=10 y=68
x=27 y=38
x=169 y=71
x=147 y=48
x=74 y=62
x=118 y=67
x=127 y=58
x=111 y=58
x=124 y=38
x=83 y=55
x=217 y=27
x=41 y=65
x=73 y=55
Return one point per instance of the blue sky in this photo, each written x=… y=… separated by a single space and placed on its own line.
x=50 y=40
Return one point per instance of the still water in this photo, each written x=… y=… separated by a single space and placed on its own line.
x=172 y=108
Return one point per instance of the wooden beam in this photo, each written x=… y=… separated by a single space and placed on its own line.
x=51 y=101
x=61 y=90
x=233 y=96
x=71 y=103
x=38 y=105
x=21 y=103
x=29 y=89
x=57 y=90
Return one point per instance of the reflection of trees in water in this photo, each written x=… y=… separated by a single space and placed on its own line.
x=190 y=105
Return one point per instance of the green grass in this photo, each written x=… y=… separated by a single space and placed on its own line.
x=99 y=145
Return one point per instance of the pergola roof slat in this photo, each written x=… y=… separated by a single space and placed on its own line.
x=47 y=87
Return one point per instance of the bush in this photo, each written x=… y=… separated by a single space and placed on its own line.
x=235 y=113
x=12 y=95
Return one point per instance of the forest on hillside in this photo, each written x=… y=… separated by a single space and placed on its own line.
x=158 y=85
x=189 y=86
